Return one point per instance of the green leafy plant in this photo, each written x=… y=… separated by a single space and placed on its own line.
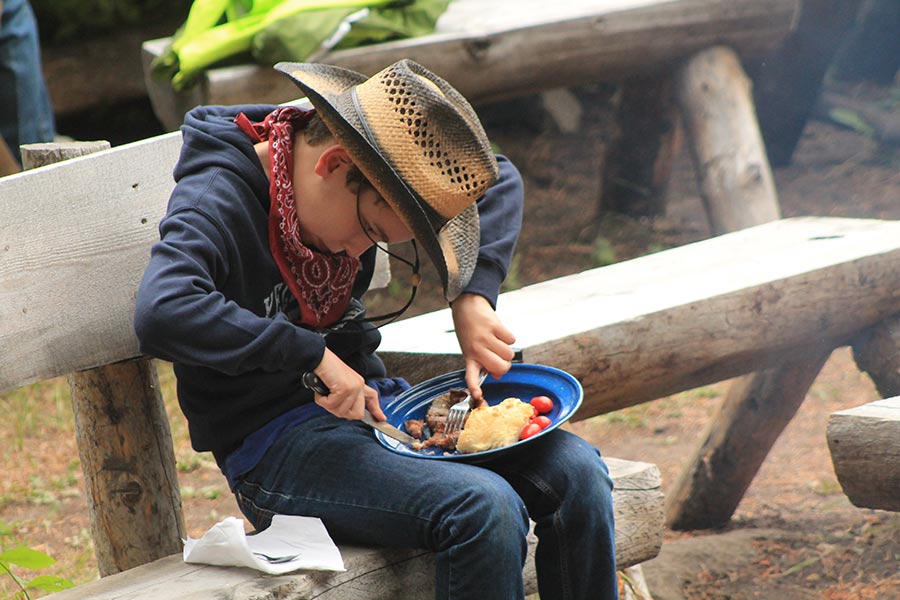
x=27 y=558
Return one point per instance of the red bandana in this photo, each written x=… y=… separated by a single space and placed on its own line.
x=322 y=283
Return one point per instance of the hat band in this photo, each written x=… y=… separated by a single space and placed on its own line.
x=362 y=118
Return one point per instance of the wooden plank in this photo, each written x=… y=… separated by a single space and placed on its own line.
x=70 y=265
x=689 y=316
x=376 y=574
x=496 y=50
x=865 y=449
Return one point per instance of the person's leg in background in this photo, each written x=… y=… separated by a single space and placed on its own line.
x=26 y=114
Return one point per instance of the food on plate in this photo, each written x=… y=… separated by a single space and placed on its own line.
x=490 y=427
x=485 y=428
x=542 y=404
x=432 y=427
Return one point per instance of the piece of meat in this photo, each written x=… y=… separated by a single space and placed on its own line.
x=435 y=421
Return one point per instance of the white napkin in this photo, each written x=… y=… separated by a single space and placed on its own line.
x=302 y=538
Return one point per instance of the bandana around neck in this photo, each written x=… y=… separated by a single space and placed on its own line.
x=321 y=282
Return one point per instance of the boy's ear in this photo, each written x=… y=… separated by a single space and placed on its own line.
x=331 y=159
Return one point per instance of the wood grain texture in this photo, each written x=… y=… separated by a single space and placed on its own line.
x=733 y=173
x=701 y=313
x=128 y=459
x=504 y=48
x=865 y=450
x=376 y=574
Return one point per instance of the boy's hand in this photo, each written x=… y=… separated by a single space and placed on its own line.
x=350 y=395
x=483 y=339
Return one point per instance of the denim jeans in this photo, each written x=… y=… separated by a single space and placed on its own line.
x=475 y=518
x=26 y=116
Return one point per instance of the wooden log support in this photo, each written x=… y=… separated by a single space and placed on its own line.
x=123 y=440
x=756 y=410
x=378 y=574
x=877 y=353
x=735 y=179
x=865 y=450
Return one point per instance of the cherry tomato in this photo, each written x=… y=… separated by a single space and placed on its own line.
x=542 y=422
x=529 y=430
x=543 y=404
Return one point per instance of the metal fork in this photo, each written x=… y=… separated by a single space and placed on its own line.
x=457 y=415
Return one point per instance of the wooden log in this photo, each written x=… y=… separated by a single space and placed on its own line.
x=736 y=183
x=377 y=574
x=755 y=412
x=39 y=155
x=124 y=442
x=788 y=81
x=504 y=48
x=865 y=450
x=639 y=161
x=128 y=461
x=701 y=313
x=877 y=352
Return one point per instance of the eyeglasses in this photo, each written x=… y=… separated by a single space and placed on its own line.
x=415 y=279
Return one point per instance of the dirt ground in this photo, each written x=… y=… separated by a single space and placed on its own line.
x=794 y=536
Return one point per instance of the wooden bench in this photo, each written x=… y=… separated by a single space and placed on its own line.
x=69 y=269
x=865 y=449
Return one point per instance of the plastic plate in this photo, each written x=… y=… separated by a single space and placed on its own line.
x=523 y=381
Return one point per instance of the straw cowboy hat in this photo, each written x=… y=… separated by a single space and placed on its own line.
x=420 y=144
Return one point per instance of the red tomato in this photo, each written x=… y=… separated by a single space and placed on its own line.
x=543 y=404
x=529 y=430
x=542 y=422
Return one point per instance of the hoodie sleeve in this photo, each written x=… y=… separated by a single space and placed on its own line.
x=182 y=316
x=500 y=214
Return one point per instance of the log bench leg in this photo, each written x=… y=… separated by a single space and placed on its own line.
x=757 y=409
x=719 y=118
x=129 y=464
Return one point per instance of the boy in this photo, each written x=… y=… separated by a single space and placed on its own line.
x=265 y=252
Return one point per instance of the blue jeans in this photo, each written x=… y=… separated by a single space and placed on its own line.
x=473 y=517
x=26 y=116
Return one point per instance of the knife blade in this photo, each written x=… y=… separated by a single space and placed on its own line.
x=311 y=381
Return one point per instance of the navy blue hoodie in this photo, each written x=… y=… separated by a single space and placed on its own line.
x=212 y=300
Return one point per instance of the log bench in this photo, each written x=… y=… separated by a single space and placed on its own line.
x=69 y=270
x=865 y=449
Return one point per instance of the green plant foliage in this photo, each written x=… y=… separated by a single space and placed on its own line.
x=27 y=558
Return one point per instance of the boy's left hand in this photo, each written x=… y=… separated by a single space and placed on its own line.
x=484 y=340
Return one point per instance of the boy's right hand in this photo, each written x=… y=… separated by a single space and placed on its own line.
x=349 y=395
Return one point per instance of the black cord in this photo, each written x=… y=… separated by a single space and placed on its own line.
x=415 y=279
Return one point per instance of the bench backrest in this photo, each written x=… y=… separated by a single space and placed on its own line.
x=76 y=240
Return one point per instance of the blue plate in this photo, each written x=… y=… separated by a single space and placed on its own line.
x=523 y=381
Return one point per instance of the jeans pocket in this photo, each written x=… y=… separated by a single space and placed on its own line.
x=260 y=518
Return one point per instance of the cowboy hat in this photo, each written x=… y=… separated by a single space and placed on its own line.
x=420 y=144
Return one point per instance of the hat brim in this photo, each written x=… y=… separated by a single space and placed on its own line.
x=442 y=246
